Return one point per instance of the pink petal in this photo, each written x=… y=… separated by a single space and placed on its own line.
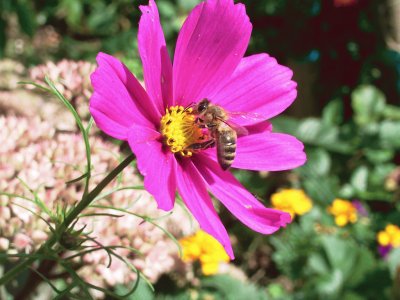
x=258 y=85
x=192 y=188
x=269 y=152
x=262 y=127
x=119 y=100
x=238 y=200
x=210 y=45
x=158 y=166
x=117 y=129
x=157 y=66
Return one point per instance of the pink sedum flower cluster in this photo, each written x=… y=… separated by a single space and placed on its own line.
x=70 y=77
x=44 y=160
x=208 y=63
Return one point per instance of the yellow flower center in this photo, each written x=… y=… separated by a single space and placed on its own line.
x=179 y=130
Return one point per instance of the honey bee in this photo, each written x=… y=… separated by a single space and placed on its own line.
x=223 y=134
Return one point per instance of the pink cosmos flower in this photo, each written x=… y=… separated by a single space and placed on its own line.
x=208 y=63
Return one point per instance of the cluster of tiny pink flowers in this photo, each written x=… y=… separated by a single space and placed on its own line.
x=72 y=79
x=43 y=159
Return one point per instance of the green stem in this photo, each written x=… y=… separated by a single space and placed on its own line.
x=74 y=213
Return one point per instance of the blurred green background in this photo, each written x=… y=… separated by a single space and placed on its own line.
x=346 y=60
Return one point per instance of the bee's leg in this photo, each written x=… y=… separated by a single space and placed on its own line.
x=198 y=120
x=203 y=145
x=209 y=126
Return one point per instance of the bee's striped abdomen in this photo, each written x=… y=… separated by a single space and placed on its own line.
x=226 y=147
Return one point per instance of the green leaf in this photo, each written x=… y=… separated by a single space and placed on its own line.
x=393 y=260
x=317 y=264
x=73 y=11
x=227 y=287
x=333 y=112
x=318 y=162
x=103 y=18
x=364 y=262
x=392 y=112
x=3 y=36
x=330 y=284
x=314 y=132
x=379 y=174
x=341 y=254
x=389 y=132
x=82 y=129
x=309 y=130
x=321 y=189
x=359 y=179
x=368 y=104
x=167 y=9
x=347 y=191
x=26 y=17
x=352 y=296
x=277 y=291
x=353 y=261
x=378 y=156
x=188 y=4
x=35 y=85
x=285 y=124
x=143 y=291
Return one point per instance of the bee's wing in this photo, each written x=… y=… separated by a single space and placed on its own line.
x=245 y=118
x=240 y=130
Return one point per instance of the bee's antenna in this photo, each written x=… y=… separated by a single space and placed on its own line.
x=189 y=106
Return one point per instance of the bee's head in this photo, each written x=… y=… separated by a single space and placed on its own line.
x=202 y=106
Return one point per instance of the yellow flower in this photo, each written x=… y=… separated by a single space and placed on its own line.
x=203 y=247
x=293 y=201
x=390 y=236
x=344 y=212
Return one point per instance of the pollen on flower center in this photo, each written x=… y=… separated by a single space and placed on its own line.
x=179 y=130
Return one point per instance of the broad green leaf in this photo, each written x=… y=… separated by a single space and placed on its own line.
x=142 y=292
x=285 y=124
x=321 y=189
x=379 y=174
x=103 y=18
x=317 y=264
x=363 y=263
x=188 y=4
x=392 y=112
x=73 y=11
x=318 y=162
x=333 y=112
x=26 y=17
x=359 y=179
x=393 y=261
x=378 y=156
x=227 y=287
x=3 y=37
x=341 y=254
x=389 y=133
x=347 y=191
x=368 y=104
x=330 y=284
x=352 y=296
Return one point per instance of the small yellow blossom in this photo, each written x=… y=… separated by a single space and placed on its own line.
x=390 y=236
x=293 y=201
x=203 y=247
x=344 y=212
